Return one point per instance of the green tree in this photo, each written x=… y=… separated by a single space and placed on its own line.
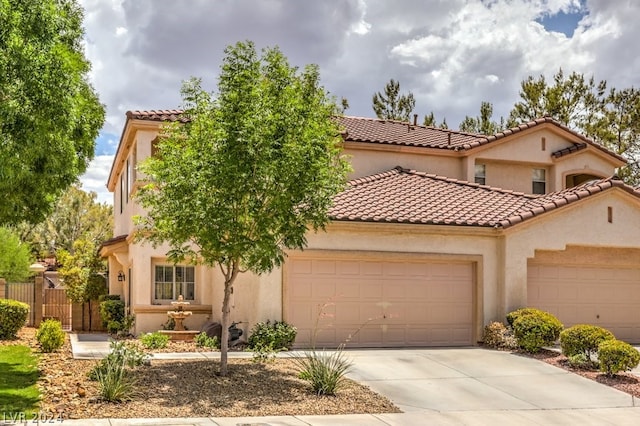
x=83 y=271
x=250 y=174
x=570 y=100
x=15 y=256
x=76 y=216
x=392 y=105
x=483 y=124
x=430 y=121
x=617 y=126
x=49 y=113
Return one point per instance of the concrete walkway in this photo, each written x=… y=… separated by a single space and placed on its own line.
x=468 y=386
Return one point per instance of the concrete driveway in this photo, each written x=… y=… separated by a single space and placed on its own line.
x=474 y=385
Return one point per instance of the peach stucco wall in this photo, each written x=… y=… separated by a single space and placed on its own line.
x=368 y=162
x=582 y=224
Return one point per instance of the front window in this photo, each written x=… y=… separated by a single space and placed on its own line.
x=173 y=281
x=539 y=181
x=481 y=174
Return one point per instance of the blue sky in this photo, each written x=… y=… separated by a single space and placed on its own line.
x=563 y=22
x=451 y=55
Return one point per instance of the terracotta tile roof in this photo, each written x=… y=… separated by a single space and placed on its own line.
x=402 y=133
x=570 y=150
x=406 y=196
x=158 y=115
x=391 y=132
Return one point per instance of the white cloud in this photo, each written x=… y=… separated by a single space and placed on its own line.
x=451 y=54
x=95 y=178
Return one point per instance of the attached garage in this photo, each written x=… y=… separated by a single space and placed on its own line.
x=603 y=290
x=375 y=299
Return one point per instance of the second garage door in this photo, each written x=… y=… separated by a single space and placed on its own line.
x=378 y=300
x=605 y=296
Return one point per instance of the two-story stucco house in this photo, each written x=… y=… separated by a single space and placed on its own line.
x=438 y=233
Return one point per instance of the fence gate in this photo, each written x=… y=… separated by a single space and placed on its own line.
x=57 y=306
x=23 y=292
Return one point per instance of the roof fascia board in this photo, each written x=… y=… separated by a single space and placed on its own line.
x=387 y=147
x=393 y=228
x=132 y=126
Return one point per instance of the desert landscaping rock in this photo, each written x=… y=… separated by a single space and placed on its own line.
x=191 y=388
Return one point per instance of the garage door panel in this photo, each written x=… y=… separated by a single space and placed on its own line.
x=348 y=268
x=591 y=294
x=411 y=303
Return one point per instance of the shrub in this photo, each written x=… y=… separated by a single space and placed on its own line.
x=202 y=340
x=262 y=353
x=497 y=335
x=154 y=340
x=121 y=352
x=324 y=371
x=580 y=360
x=616 y=356
x=13 y=316
x=279 y=335
x=114 y=385
x=50 y=335
x=583 y=339
x=535 y=329
x=113 y=315
x=513 y=315
x=112 y=311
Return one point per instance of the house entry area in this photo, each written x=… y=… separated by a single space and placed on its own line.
x=585 y=285
x=375 y=299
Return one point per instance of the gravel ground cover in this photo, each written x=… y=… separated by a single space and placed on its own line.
x=193 y=389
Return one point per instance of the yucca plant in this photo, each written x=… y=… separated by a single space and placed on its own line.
x=325 y=371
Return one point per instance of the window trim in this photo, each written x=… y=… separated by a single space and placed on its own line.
x=538 y=181
x=174 y=283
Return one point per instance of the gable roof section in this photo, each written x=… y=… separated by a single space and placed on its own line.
x=390 y=132
x=406 y=196
x=158 y=115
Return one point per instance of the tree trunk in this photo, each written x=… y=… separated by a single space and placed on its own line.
x=230 y=277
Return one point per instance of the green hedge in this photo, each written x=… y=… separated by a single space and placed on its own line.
x=616 y=356
x=50 y=335
x=13 y=316
x=583 y=339
x=534 y=328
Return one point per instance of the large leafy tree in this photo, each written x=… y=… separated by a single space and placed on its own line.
x=49 y=113
x=610 y=117
x=253 y=170
x=15 y=256
x=83 y=271
x=391 y=105
x=77 y=216
x=483 y=124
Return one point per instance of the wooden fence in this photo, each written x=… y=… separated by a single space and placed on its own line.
x=26 y=293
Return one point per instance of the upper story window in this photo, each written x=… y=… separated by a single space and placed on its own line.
x=121 y=193
x=539 y=181
x=170 y=281
x=480 y=174
x=128 y=181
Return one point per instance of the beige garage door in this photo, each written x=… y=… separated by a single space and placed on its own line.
x=605 y=296
x=377 y=300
